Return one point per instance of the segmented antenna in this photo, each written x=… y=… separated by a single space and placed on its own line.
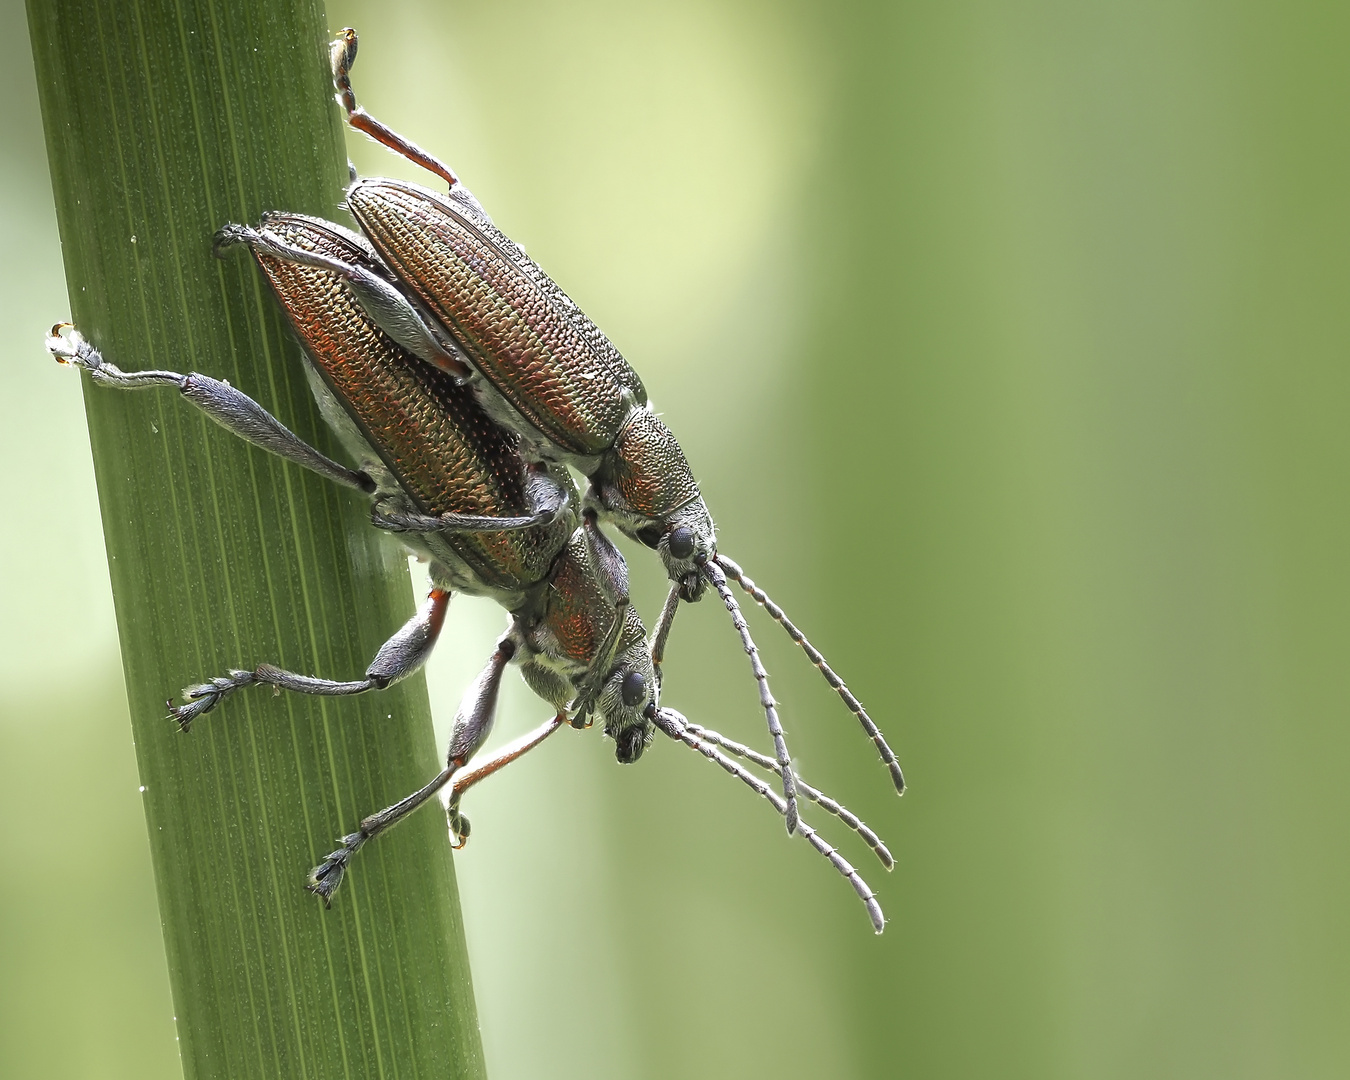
x=678 y=728
x=719 y=582
x=814 y=655
x=843 y=813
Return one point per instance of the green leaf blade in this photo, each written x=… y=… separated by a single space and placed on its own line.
x=164 y=121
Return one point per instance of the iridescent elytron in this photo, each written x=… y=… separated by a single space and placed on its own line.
x=465 y=384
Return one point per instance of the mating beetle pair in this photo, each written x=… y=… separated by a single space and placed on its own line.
x=466 y=383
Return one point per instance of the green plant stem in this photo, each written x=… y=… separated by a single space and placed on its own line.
x=164 y=121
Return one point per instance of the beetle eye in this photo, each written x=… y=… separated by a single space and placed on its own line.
x=634 y=687
x=681 y=542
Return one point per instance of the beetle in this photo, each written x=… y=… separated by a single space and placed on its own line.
x=455 y=487
x=460 y=295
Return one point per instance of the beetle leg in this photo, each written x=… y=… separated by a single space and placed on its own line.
x=342 y=56
x=613 y=576
x=662 y=632
x=327 y=876
x=387 y=307
x=236 y=412
x=396 y=659
x=549 y=500
x=459 y=824
x=613 y=571
x=594 y=680
x=396 y=521
x=473 y=721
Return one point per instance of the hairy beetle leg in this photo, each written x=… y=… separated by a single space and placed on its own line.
x=387 y=307
x=396 y=659
x=473 y=722
x=459 y=824
x=546 y=510
x=343 y=56
x=236 y=412
x=327 y=876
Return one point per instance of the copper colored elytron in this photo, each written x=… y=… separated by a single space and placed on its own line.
x=509 y=321
x=426 y=427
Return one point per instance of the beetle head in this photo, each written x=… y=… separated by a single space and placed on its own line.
x=626 y=701
x=685 y=543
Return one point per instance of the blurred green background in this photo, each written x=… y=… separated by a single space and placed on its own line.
x=1009 y=343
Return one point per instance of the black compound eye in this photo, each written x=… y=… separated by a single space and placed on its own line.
x=633 y=689
x=681 y=542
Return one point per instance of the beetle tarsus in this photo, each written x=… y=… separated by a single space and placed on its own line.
x=325 y=878
x=203 y=697
x=459 y=827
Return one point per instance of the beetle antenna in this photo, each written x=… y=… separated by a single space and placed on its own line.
x=679 y=729
x=815 y=656
x=829 y=805
x=719 y=582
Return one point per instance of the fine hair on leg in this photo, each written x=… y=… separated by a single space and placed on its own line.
x=405 y=652
x=236 y=412
x=473 y=722
x=327 y=876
